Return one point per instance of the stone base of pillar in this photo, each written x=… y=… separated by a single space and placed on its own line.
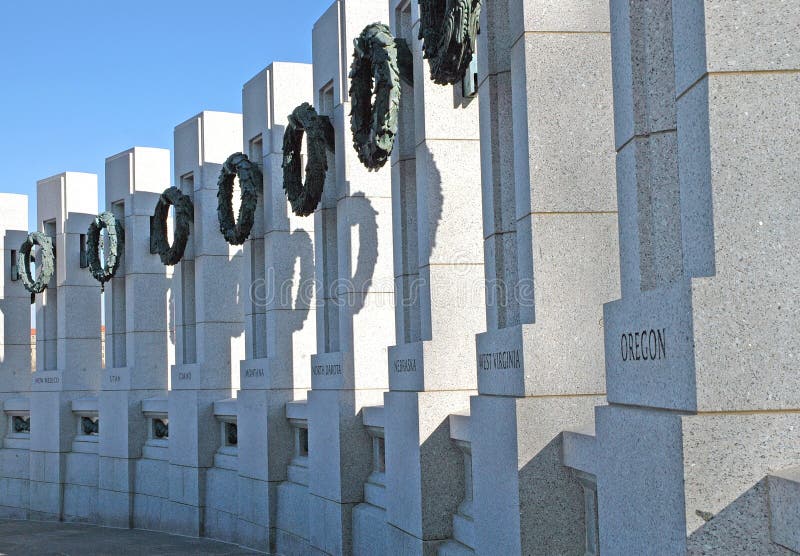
x=424 y=468
x=529 y=503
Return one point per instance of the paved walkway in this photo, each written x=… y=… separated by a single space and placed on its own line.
x=38 y=538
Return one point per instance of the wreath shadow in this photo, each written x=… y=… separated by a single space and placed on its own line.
x=365 y=217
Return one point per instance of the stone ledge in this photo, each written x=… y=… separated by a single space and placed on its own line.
x=784 y=505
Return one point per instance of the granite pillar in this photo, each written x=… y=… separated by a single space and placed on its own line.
x=438 y=270
x=68 y=359
x=209 y=308
x=353 y=254
x=138 y=347
x=280 y=327
x=15 y=362
x=550 y=232
x=700 y=350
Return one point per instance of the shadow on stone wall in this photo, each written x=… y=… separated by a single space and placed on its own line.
x=364 y=216
x=742 y=527
x=544 y=483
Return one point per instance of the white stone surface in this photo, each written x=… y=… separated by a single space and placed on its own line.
x=706 y=166
x=697 y=451
x=784 y=497
x=139 y=350
x=523 y=449
x=68 y=362
x=280 y=325
x=550 y=232
x=353 y=250
x=15 y=362
x=209 y=310
x=15 y=313
x=438 y=275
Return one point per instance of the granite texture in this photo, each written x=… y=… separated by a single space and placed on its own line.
x=784 y=513
x=567 y=301
x=424 y=469
x=688 y=483
x=711 y=38
x=753 y=167
x=369 y=530
x=558 y=113
x=526 y=501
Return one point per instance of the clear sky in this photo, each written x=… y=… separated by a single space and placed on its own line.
x=81 y=80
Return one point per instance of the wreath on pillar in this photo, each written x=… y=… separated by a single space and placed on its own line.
x=374 y=71
x=449 y=31
x=46 y=263
x=304 y=197
x=184 y=215
x=251 y=182
x=116 y=247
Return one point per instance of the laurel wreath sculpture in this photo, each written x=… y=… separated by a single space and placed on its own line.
x=116 y=247
x=160 y=429
x=184 y=215
x=251 y=182
x=90 y=426
x=47 y=262
x=374 y=63
x=21 y=424
x=449 y=31
x=304 y=198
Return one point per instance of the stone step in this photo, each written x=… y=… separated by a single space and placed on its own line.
x=784 y=506
x=579 y=448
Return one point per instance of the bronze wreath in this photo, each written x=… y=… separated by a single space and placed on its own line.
x=304 y=198
x=116 y=247
x=160 y=429
x=251 y=182
x=374 y=127
x=184 y=215
x=21 y=424
x=46 y=263
x=449 y=30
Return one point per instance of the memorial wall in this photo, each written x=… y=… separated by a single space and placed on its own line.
x=486 y=277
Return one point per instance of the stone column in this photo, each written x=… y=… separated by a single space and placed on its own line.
x=439 y=302
x=138 y=350
x=701 y=350
x=550 y=229
x=209 y=314
x=353 y=232
x=68 y=337
x=15 y=363
x=279 y=324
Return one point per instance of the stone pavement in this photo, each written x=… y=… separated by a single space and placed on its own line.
x=39 y=538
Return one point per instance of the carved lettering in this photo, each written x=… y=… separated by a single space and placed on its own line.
x=184 y=376
x=500 y=361
x=46 y=380
x=405 y=366
x=326 y=370
x=646 y=345
x=252 y=373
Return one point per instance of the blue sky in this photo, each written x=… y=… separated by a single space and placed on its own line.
x=85 y=79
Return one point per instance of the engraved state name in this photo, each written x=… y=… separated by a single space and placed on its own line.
x=646 y=345
x=253 y=373
x=405 y=366
x=500 y=361
x=326 y=370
